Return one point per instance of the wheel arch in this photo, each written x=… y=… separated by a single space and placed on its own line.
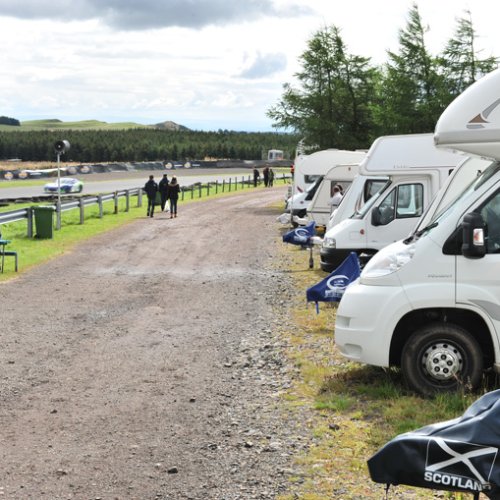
x=470 y=320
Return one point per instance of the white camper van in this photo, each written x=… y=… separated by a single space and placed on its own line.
x=320 y=208
x=431 y=303
x=416 y=170
x=310 y=170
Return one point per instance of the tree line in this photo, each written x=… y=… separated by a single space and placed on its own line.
x=144 y=144
x=342 y=100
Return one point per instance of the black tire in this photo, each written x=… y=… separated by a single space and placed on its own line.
x=456 y=361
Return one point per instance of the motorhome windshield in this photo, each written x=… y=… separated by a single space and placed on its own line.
x=311 y=190
x=359 y=214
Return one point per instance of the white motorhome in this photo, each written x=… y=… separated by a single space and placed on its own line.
x=416 y=170
x=430 y=303
x=320 y=208
x=310 y=170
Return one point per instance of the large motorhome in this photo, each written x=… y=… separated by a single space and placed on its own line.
x=415 y=170
x=430 y=303
x=310 y=170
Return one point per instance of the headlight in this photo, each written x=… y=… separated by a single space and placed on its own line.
x=330 y=243
x=387 y=261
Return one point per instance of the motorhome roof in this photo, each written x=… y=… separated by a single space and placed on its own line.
x=320 y=161
x=396 y=153
x=471 y=123
x=338 y=172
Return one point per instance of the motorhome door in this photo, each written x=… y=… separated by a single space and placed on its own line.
x=398 y=211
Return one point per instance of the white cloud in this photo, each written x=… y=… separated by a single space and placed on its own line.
x=201 y=63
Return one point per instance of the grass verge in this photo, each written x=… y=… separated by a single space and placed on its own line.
x=355 y=408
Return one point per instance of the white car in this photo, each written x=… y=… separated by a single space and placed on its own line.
x=68 y=185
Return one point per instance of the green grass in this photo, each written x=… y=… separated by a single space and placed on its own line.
x=78 y=125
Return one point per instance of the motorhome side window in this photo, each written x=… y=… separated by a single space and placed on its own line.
x=491 y=215
x=406 y=200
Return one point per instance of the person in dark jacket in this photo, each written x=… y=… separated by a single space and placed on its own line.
x=265 y=174
x=256 y=176
x=163 y=188
x=173 y=195
x=151 y=189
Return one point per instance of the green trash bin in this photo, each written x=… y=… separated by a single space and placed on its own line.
x=44 y=221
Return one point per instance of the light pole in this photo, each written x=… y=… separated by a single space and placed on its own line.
x=60 y=147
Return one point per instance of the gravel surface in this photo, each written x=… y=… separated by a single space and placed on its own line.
x=147 y=364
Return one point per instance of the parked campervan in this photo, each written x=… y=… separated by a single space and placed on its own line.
x=415 y=170
x=310 y=170
x=430 y=303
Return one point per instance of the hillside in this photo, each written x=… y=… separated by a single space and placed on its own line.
x=55 y=124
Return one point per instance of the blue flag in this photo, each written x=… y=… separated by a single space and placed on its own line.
x=331 y=288
x=300 y=235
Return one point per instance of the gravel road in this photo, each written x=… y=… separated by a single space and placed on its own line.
x=147 y=363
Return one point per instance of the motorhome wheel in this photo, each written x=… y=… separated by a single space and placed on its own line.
x=441 y=357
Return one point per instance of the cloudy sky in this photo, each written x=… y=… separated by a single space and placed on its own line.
x=205 y=64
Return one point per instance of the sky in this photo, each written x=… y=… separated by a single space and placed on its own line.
x=204 y=64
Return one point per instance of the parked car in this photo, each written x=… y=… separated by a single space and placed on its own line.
x=68 y=185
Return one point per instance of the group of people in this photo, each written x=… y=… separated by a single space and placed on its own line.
x=267 y=174
x=168 y=190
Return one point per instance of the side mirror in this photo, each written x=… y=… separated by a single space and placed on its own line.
x=376 y=217
x=473 y=246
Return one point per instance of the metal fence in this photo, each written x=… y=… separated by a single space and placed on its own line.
x=187 y=192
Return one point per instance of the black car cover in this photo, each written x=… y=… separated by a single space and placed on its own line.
x=457 y=455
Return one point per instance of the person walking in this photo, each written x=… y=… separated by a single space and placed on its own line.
x=265 y=173
x=173 y=195
x=163 y=188
x=256 y=177
x=151 y=189
x=271 y=177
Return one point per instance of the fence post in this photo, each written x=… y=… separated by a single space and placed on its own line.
x=236 y=183
x=192 y=192
x=29 y=213
x=115 y=199
x=229 y=184
x=223 y=184
x=199 y=190
x=58 y=214
x=139 y=197
x=216 y=186
x=208 y=188
x=82 y=210
x=99 y=201
x=127 y=200
x=182 y=194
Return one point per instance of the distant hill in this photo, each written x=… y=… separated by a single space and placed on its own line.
x=168 y=125
x=55 y=124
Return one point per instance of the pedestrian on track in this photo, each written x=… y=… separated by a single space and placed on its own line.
x=173 y=195
x=151 y=189
x=163 y=188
